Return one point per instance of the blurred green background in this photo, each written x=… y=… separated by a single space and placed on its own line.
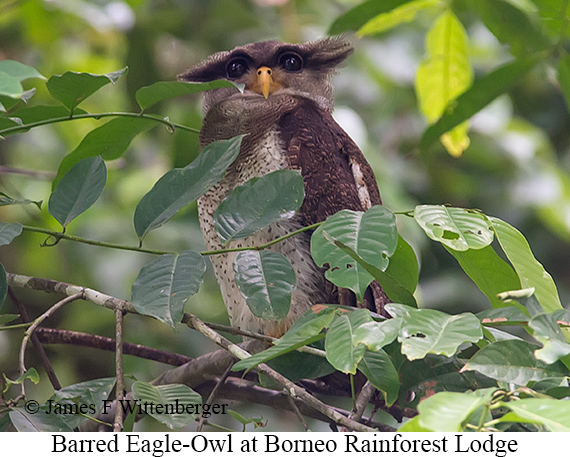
x=516 y=167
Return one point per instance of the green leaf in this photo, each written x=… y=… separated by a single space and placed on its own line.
x=413 y=425
x=356 y=17
x=30 y=374
x=19 y=71
x=552 y=16
x=109 y=141
x=524 y=297
x=428 y=331
x=511 y=26
x=78 y=190
x=86 y=393
x=181 y=186
x=448 y=411
x=41 y=421
x=10 y=86
x=482 y=92
x=257 y=421
x=342 y=353
x=444 y=75
x=275 y=351
x=546 y=330
x=163 y=90
x=376 y=335
x=6 y=200
x=531 y=273
x=389 y=283
x=170 y=395
x=258 y=203
x=164 y=285
x=9 y=231
x=425 y=377
x=398 y=310
x=310 y=323
x=7 y=318
x=371 y=235
x=553 y=414
x=399 y=15
x=266 y=281
x=506 y=314
x=296 y=365
x=564 y=77
x=72 y=88
x=562 y=316
x=12 y=74
x=3 y=284
x=306 y=330
x=512 y=361
x=380 y=371
x=403 y=266
x=457 y=228
x=488 y=271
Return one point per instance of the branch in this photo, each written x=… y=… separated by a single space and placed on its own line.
x=110 y=302
x=57 y=336
x=203 y=373
x=292 y=389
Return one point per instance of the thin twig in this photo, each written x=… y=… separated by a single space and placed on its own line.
x=55 y=120
x=364 y=397
x=58 y=236
x=35 y=341
x=120 y=385
x=212 y=396
x=295 y=409
x=37 y=322
x=36 y=174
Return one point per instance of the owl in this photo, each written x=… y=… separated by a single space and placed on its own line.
x=285 y=111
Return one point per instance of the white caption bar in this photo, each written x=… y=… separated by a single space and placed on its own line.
x=280 y=444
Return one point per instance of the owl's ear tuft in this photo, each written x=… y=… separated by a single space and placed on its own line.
x=329 y=52
x=206 y=71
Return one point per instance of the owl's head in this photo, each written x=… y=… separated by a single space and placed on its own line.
x=270 y=68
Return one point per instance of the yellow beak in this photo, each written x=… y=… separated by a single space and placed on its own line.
x=264 y=81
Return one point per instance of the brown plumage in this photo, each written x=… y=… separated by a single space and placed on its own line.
x=285 y=110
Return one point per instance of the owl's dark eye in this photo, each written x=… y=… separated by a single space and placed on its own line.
x=236 y=68
x=291 y=62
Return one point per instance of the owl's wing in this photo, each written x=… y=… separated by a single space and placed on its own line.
x=336 y=174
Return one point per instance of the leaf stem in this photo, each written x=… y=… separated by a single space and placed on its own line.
x=58 y=236
x=263 y=246
x=54 y=120
x=62 y=236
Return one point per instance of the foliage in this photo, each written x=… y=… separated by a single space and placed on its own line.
x=461 y=366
